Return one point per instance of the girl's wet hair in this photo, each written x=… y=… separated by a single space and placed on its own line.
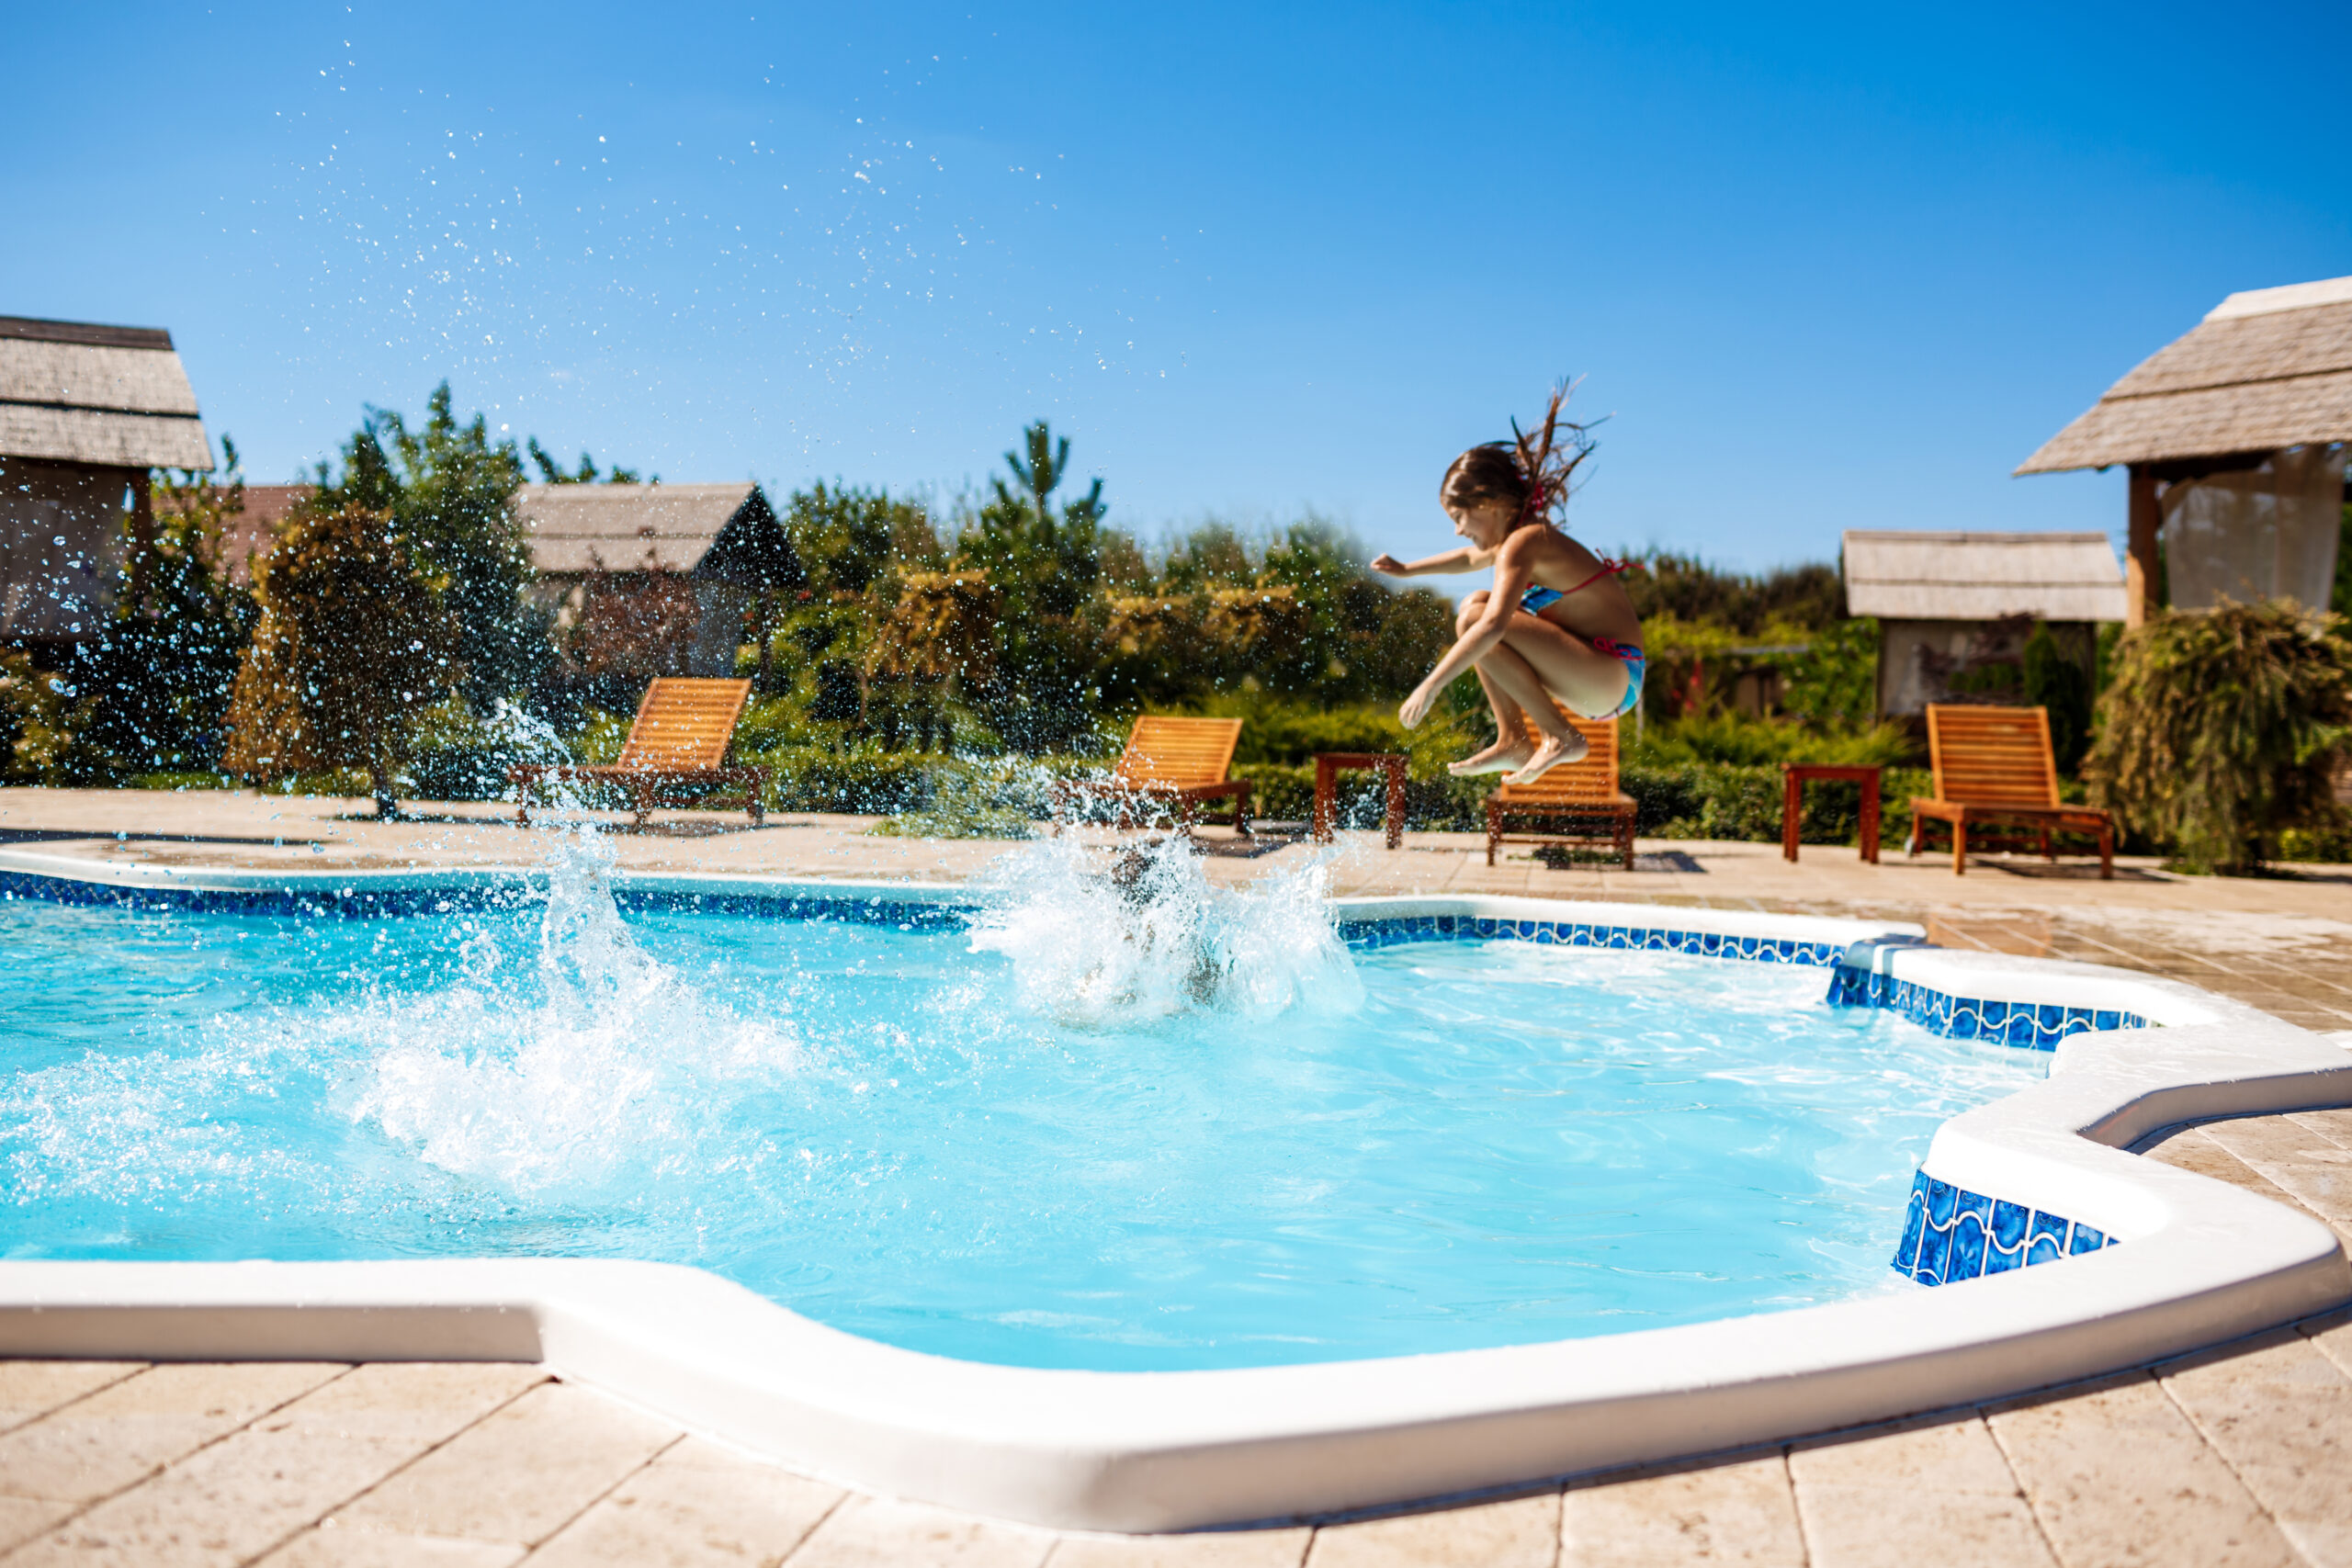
x=1531 y=471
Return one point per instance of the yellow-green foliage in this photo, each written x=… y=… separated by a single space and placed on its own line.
x=2219 y=731
x=40 y=711
x=350 y=645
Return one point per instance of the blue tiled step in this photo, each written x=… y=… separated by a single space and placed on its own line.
x=1951 y=1233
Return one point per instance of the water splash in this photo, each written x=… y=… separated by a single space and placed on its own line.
x=597 y=1077
x=1125 y=936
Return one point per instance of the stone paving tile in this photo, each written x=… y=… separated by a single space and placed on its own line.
x=1934 y=1454
x=2336 y=1126
x=2190 y=1149
x=697 y=1506
x=1521 y=1532
x=333 y=1548
x=33 y=1389
x=21 y=1518
x=2116 y=1475
x=2332 y=1336
x=875 y=1532
x=2281 y=1412
x=519 y=1475
x=2316 y=1169
x=1740 y=1513
x=229 y=1502
x=122 y=1433
x=1928 y=1490
x=1209 y=1549
x=1876 y=1527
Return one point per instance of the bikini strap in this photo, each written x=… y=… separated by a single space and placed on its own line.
x=1608 y=568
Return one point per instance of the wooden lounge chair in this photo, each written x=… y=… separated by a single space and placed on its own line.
x=1993 y=766
x=1180 y=762
x=1582 y=799
x=676 y=752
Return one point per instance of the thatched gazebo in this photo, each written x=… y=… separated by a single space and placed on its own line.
x=2235 y=435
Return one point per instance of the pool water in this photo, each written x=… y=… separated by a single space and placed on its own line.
x=1116 y=1125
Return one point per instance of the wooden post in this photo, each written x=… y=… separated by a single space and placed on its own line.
x=2140 y=567
x=143 y=534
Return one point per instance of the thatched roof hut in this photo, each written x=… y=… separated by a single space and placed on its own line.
x=2232 y=433
x=1957 y=607
x=86 y=410
x=111 y=396
x=654 y=579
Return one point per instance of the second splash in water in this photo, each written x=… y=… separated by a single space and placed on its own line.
x=1123 y=936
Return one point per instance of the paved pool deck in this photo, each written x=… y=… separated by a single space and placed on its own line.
x=2241 y=1454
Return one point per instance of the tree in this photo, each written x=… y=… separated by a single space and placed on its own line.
x=447 y=491
x=552 y=472
x=350 y=644
x=849 y=539
x=1045 y=693
x=2220 y=731
x=165 y=660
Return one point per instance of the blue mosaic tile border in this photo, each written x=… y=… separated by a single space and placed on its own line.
x=1376 y=933
x=353 y=903
x=1951 y=1233
x=2036 y=1026
x=873 y=911
x=357 y=902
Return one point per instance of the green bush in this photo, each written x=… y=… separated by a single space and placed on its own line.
x=1743 y=803
x=1724 y=735
x=2219 y=732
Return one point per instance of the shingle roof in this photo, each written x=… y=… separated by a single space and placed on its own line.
x=579 y=528
x=2264 y=369
x=1981 y=577
x=82 y=392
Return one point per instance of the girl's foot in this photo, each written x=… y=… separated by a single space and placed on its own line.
x=1499 y=758
x=1556 y=750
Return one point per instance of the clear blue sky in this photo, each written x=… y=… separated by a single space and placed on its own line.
x=1835 y=269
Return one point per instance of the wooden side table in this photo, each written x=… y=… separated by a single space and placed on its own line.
x=1796 y=776
x=1326 y=769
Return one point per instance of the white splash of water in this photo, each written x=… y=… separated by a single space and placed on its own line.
x=1128 y=936
x=601 y=1082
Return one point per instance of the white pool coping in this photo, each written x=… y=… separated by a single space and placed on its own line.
x=2199 y=1261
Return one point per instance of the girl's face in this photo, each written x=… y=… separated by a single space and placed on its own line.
x=1483 y=522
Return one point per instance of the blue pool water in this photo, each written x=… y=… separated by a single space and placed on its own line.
x=1156 y=1127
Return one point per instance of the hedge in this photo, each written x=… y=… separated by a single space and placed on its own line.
x=934 y=795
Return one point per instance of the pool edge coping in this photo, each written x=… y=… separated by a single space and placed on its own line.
x=1131 y=1451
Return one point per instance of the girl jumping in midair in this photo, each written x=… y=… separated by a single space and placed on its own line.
x=1556 y=623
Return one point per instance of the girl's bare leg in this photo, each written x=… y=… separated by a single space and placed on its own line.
x=1544 y=656
x=1562 y=743
x=1511 y=749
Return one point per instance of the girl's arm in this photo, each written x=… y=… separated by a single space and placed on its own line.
x=1464 y=560
x=1512 y=575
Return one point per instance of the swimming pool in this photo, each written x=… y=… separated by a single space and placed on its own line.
x=1182 y=1129
x=2197 y=1261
